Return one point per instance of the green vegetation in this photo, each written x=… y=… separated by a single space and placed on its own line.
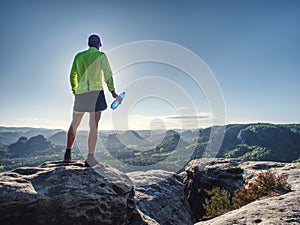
x=295 y=161
x=266 y=184
x=257 y=154
x=218 y=202
x=258 y=142
x=262 y=142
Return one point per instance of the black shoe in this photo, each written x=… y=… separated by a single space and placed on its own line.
x=67 y=157
x=90 y=162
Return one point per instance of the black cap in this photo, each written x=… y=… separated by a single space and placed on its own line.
x=94 y=41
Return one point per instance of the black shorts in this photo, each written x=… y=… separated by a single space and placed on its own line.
x=93 y=101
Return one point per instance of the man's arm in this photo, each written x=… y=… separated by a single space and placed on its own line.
x=109 y=78
x=73 y=77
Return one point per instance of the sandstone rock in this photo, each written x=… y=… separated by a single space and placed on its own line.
x=59 y=193
x=292 y=170
x=160 y=195
x=202 y=174
x=231 y=174
x=253 y=168
x=284 y=209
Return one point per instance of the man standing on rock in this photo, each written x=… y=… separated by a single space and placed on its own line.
x=86 y=81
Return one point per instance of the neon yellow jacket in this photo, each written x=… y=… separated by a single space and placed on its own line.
x=87 y=70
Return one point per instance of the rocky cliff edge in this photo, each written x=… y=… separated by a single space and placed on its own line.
x=60 y=193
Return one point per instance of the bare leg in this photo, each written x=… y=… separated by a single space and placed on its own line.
x=73 y=128
x=93 y=135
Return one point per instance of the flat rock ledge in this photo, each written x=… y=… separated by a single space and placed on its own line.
x=61 y=193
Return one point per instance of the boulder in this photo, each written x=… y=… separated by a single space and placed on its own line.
x=60 y=193
x=231 y=174
x=203 y=174
x=283 y=209
x=160 y=195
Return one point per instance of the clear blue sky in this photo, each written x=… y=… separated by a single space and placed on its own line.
x=253 y=48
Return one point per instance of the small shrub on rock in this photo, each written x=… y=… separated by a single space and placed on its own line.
x=218 y=202
x=296 y=160
x=266 y=184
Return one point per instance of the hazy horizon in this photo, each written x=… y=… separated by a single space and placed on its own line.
x=80 y=129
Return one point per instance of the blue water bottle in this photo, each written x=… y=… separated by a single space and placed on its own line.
x=116 y=103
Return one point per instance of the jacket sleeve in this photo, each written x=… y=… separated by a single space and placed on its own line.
x=108 y=77
x=73 y=77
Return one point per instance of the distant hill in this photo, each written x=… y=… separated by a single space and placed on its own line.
x=27 y=152
x=129 y=155
x=260 y=141
x=26 y=146
x=9 y=135
x=32 y=152
x=59 y=138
